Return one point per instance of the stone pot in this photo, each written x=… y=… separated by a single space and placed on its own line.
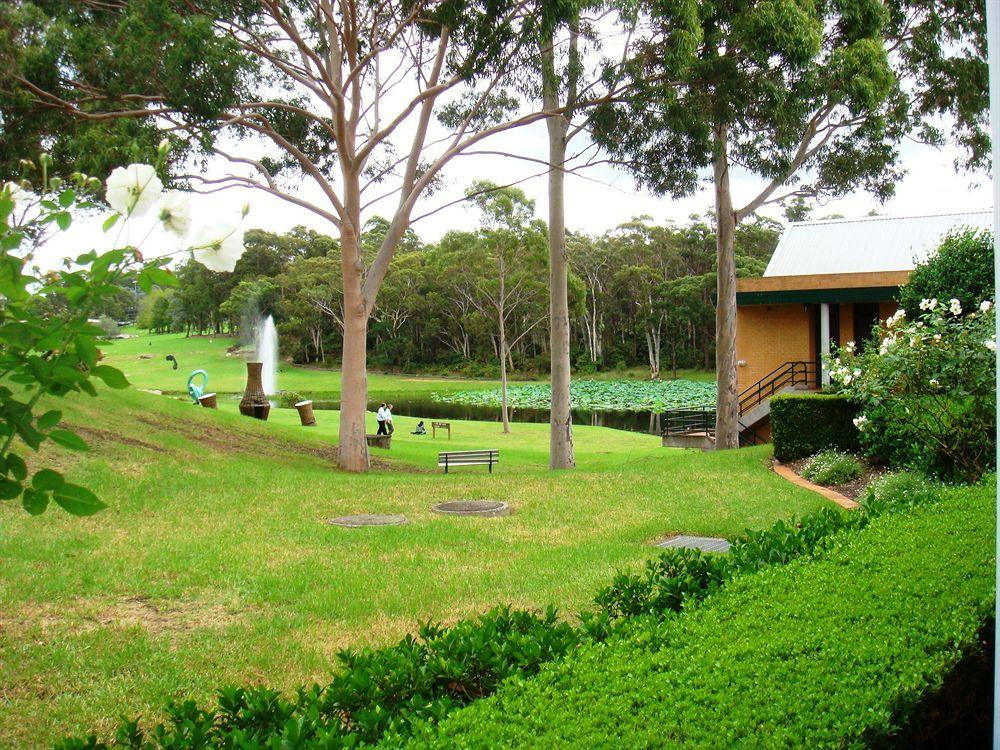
x=306 y=416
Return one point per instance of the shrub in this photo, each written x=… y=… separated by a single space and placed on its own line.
x=961 y=267
x=805 y=424
x=773 y=659
x=898 y=491
x=379 y=690
x=288 y=399
x=832 y=467
x=928 y=390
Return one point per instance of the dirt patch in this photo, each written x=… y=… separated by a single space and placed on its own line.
x=228 y=441
x=170 y=616
x=852 y=489
x=155 y=617
x=95 y=436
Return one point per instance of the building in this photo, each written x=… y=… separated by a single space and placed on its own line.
x=828 y=283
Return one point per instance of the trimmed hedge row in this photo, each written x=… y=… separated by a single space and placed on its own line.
x=837 y=651
x=808 y=423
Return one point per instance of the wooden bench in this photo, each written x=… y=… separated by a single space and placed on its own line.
x=441 y=425
x=469 y=458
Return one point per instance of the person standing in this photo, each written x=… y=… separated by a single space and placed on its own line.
x=381 y=417
x=390 y=428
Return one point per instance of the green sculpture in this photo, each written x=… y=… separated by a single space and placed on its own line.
x=197 y=391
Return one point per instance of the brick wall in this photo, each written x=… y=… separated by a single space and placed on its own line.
x=767 y=336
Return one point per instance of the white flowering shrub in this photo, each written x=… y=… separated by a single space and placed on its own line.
x=832 y=467
x=46 y=355
x=927 y=390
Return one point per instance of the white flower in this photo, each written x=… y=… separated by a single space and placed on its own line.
x=857 y=372
x=861 y=422
x=932 y=303
x=984 y=305
x=847 y=379
x=175 y=212
x=925 y=304
x=218 y=248
x=990 y=344
x=895 y=317
x=955 y=306
x=937 y=336
x=851 y=346
x=133 y=190
x=14 y=191
x=935 y=383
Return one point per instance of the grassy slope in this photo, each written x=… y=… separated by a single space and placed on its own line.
x=228 y=374
x=213 y=563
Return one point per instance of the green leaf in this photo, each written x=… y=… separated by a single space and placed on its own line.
x=9 y=490
x=110 y=222
x=68 y=439
x=66 y=198
x=159 y=276
x=35 y=502
x=78 y=500
x=16 y=466
x=64 y=219
x=47 y=480
x=112 y=376
x=49 y=419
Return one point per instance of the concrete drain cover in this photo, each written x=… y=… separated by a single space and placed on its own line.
x=704 y=543
x=490 y=508
x=366 y=519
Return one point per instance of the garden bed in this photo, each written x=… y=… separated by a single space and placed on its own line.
x=851 y=489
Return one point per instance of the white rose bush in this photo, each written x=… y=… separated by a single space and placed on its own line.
x=926 y=388
x=44 y=356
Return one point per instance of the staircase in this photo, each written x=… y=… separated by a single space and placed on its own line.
x=695 y=427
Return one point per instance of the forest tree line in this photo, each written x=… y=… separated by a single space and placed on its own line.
x=641 y=294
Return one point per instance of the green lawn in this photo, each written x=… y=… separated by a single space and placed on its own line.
x=213 y=564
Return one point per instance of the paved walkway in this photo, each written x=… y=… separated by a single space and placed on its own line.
x=842 y=500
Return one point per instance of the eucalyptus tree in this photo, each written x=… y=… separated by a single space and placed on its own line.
x=778 y=89
x=328 y=105
x=511 y=246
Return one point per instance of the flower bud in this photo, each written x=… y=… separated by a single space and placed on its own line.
x=246 y=208
x=164 y=147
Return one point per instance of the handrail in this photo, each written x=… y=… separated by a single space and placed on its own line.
x=702 y=418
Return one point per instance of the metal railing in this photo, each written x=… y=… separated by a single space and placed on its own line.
x=690 y=420
x=701 y=419
x=788 y=374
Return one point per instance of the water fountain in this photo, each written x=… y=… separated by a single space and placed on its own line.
x=262 y=375
x=266 y=342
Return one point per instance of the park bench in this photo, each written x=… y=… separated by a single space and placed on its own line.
x=451 y=459
x=440 y=425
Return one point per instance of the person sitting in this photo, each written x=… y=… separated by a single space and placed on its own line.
x=421 y=430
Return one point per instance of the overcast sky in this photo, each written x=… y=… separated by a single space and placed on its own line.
x=598 y=199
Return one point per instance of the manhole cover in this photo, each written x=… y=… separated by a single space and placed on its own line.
x=492 y=508
x=704 y=543
x=366 y=519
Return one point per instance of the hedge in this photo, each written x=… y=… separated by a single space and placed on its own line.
x=836 y=651
x=805 y=424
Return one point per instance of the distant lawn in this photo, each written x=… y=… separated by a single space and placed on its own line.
x=227 y=374
x=213 y=564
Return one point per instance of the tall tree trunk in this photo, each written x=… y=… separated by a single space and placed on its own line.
x=727 y=406
x=353 y=449
x=504 y=416
x=560 y=415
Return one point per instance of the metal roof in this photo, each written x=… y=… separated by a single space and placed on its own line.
x=876 y=243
